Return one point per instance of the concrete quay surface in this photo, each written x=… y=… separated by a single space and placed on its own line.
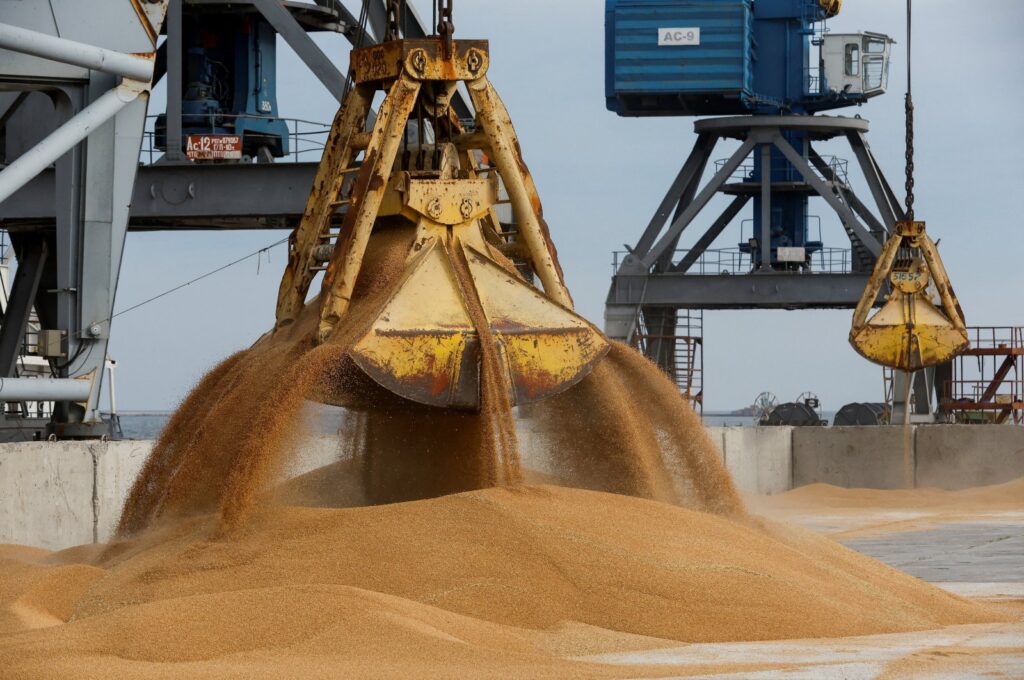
x=976 y=555
x=980 y=652
x=961 y=553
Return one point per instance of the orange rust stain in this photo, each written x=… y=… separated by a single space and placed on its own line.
x=146 y=26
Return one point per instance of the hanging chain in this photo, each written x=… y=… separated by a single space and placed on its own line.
x=394 y=12
x=910 y=125
x=364 y=16
x=446 y=26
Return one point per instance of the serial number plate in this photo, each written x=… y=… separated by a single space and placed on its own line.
x=672 y=37
x=214 y=147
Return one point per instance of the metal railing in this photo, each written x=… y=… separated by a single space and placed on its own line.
x=307 y=139
x=974 y=390
x=729 y=261
x=783 y=170
x=685 y=359
x=815 y=81
x=987 y=384
x=996 y=337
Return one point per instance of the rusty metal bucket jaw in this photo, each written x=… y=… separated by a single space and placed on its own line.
x=424 y=347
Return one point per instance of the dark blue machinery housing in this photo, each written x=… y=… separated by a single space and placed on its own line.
x=722 y=57
x=229 y=86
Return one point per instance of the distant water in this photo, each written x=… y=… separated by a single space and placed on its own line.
x=143 y=425
x=149 y=425
x=724 y=420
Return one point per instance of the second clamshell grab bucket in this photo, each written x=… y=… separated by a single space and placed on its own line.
x=920 y=323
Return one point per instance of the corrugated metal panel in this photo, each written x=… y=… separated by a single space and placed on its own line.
x=720 y=64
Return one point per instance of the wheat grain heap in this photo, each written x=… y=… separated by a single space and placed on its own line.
x=428 y=548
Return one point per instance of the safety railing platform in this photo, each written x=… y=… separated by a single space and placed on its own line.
x=306 y=139
x=731 y=261
x=987 y=381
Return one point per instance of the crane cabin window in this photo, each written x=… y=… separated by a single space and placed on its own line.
x=876 y=75
x=874 y=46
x=853 y=59
x=876 y=64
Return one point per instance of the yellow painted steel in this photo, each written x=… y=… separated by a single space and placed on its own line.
x=338 y=154
x=921 y=323
x=831 y=7
x=421 y=342
x=423 y=345
x=367 y=194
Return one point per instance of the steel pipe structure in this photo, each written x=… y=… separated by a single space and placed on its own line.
x=44 y=389
x=71 y=52
x=63 y=139
x=79 y=117
x=66 y=203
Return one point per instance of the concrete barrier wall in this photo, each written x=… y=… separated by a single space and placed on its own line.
x=759 y=458
x=62 y=494
x=117 y=466
x=57 y=495
x=46 y=494
x=852 y=457
x=962 y=456
x=717 y=436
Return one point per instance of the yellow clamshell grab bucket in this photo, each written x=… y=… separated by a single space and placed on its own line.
x=424 y=346
x=463 y=269
x=921 y=323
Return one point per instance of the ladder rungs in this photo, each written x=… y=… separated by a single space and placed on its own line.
x=345 y=201
x=318 y=268
x=329 y=235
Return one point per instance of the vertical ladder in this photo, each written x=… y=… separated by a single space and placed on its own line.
x=329 y=228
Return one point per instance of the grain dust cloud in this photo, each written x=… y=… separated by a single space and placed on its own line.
x=623 y=429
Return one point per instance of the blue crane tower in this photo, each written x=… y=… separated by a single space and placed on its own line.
x=766 y=70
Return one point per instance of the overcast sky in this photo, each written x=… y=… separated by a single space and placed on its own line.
x=601 y=177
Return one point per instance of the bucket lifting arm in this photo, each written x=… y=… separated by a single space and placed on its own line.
x=503 y=145
x=322 y=204
x=367 y=194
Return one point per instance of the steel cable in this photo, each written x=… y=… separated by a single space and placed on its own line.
x=264 y=249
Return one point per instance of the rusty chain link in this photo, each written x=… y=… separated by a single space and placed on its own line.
x=446 y=26
x=394 y=12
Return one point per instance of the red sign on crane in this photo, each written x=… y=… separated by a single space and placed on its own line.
x=214 y=147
